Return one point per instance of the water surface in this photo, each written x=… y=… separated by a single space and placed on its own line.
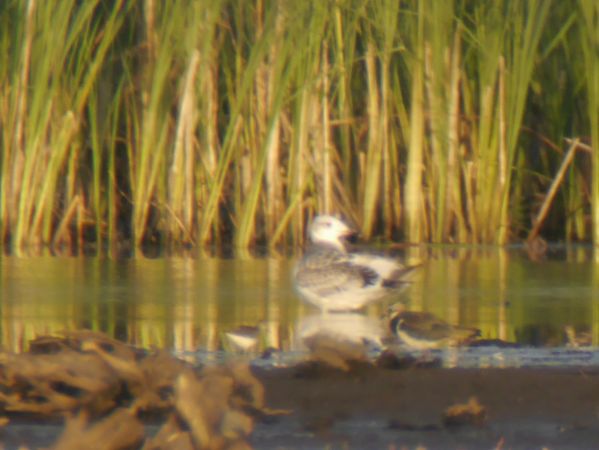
x=188 y=303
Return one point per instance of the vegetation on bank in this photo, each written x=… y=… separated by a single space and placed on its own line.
x=210 y=122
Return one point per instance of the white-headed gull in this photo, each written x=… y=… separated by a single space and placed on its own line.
x=334 y=279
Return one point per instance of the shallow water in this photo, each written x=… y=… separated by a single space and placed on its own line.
x=188 y=304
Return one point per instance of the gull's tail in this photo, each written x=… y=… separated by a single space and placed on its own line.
x=400 y=277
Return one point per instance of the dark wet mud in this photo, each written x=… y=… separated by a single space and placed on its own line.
x=384 y=408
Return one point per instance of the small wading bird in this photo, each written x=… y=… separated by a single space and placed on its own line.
x=334 y=279
x=243 y=338
x=424 y=331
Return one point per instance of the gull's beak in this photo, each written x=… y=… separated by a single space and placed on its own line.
x=349 y=234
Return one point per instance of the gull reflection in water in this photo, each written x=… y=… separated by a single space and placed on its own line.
x=342 y=327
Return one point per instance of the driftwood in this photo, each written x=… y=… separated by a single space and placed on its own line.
x=215 y=408
x=50 y=384
x=103 y=387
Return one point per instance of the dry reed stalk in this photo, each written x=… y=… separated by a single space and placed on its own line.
x=149 y=154
x=557 y=181
x=327 y=144
x=210 y=216
x=343 y=105
x=387 y=162
x=245 y=231
x=434 y=99
x=151 y=160
x=389 y=17
x=453 y=191
x=396 y=144
x=414 y=199
x=209 y=146
x=297 y=160
x=481 y=171
x=181 y=173
x=211 y=115
x=4 y=163
x=272 y=71
x=503 y=182
x=111 y=178
x=372 y=169
x=97 y=141
x=274 y=186
x=70 y=189
x=151 y=34
x=63 y=147
x=522 y=51
x=576 y=224
x=61 y=234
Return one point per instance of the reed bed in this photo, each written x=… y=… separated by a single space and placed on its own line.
x=199 y=123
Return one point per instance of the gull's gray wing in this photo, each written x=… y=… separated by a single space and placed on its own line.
x=326 y=271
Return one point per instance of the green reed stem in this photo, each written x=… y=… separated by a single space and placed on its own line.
x=589 y=34
x=190 y=122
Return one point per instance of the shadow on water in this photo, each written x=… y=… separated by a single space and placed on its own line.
x=212 y=305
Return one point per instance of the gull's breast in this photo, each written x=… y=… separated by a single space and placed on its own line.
x=335 y=280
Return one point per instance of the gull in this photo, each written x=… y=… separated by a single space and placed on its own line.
x=424 y=331
x=334 y=279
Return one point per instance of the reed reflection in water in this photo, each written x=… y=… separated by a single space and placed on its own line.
x=188 y=304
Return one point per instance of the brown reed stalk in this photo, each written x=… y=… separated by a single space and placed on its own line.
x=413 y=197
x=372 y=169
x=182 y=173
x=557 y=181
x=327 y=143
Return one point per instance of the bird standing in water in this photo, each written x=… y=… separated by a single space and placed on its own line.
x=424 y=331
x=243 y=338
x=334 y=279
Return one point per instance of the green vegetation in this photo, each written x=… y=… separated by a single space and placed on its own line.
x=211 y=122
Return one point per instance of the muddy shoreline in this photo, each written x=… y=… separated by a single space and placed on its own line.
x=375 y=408
x=525 y=408
x=87 y=389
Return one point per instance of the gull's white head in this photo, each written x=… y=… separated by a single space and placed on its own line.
x=329 y=230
